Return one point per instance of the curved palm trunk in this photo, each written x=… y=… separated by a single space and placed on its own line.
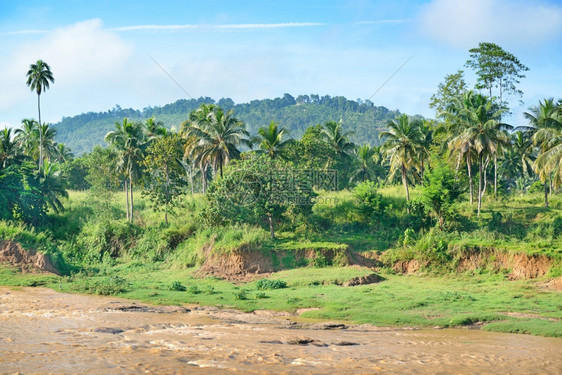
x=204 y=177
x=469 y=167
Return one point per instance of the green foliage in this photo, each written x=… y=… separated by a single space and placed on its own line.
x=369 y=204
x=266 y=284
x=177 y=286
x=164 y=182
x=557 y=227
x=440 y=192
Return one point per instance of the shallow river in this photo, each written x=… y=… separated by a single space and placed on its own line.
x=42 y=331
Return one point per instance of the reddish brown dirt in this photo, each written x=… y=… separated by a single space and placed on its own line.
x=29 y=261
x=246 y=264
x=520 y=265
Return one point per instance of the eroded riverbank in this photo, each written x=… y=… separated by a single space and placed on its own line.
x=42 y=331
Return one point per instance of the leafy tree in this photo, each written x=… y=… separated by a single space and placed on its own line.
x=258 y=190
x=164 y=183
x=452 y=88
x=39 y=77
x=101 y=166
x=496 y=68
x=440 y=192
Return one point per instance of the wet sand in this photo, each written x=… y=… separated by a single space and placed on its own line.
x=42 y=331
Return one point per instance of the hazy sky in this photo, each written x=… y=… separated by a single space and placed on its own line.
x=99 y=50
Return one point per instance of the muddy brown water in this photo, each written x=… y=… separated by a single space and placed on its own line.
x=42 y=331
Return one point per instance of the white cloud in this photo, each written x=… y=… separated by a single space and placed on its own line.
x=463 y=23
x=80 y=54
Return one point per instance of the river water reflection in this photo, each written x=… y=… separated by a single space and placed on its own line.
x=42 y=331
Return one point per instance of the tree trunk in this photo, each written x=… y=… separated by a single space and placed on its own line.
x=546 y=193
x=127 y=195
x=271 y=229
x=40 y=132
x=469 y=167
x=191 y=178
x=405 y=182
x=480 y=182
x=495 y=175
x=421 y=173
x=204 y=177
x=131 y=190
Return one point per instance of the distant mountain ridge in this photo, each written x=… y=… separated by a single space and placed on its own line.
x=82 y=132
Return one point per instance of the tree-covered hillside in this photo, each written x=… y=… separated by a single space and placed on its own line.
x=81 y=133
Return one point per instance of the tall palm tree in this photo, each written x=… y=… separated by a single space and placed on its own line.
x=484 y=132
x=543 y=119
x=39 y=76
x=216 y=136
x=271 y=140
x=401 y=145
x=522 y=146
x=128 y=138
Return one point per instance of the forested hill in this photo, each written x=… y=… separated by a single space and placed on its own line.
x=81 y=133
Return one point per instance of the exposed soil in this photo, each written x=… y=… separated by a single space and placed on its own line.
x=363 y=280
x=519 y=265
x=246 y=264
x=29 y=261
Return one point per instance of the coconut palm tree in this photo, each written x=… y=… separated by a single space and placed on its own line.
x=484 y=132
x=215 y=136
x=401 y=145
x=47 y=141
x=367 y=168
x=28 y=137
x=271 y=140
x=62 y=153
x=338 y=140
x=128 y=138
x=543 y=119
x=52 y=186
x=39 y=77
x=8 y=148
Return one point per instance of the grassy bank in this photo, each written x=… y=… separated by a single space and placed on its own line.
x=155 y=263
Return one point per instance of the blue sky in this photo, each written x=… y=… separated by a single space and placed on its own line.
x=99 y=51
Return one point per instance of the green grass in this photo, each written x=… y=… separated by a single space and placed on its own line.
x=424 y=301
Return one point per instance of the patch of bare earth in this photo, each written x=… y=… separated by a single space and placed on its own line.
x=29 y=261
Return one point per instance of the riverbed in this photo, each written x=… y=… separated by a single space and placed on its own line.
x=43 y=331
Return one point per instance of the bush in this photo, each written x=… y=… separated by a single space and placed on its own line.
x=109 y=285
x=265 y=284
x=369 y=203
x=177 y=286
x=321 y=261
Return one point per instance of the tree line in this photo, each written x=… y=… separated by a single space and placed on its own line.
x=468 y=146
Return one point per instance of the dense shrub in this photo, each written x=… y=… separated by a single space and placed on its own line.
x=265 y=284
